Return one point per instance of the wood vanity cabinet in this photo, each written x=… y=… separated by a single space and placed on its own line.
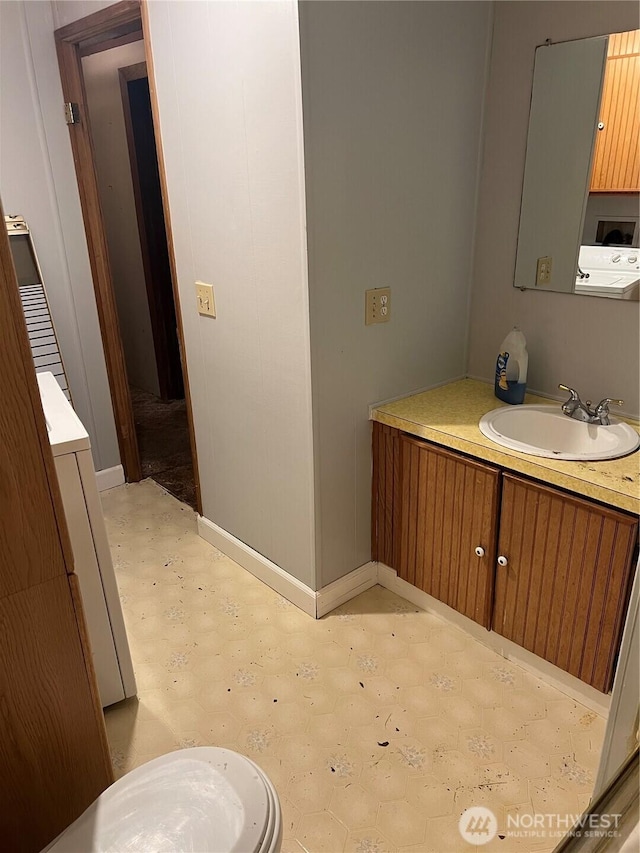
x=385 y=498
x=563 y=590
x=448 y=510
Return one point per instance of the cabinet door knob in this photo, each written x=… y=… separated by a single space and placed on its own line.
x=479 y=551
x=502 y=561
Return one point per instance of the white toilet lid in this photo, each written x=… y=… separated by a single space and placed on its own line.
x=205 y=799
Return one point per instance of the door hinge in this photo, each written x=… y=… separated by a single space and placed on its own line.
x=71 y=113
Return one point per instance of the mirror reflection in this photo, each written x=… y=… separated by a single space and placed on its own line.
x=579 y=221
x=608 y=263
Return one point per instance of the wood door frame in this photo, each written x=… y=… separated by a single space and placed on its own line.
x=53 y=742
x=110 y=23
x=138 y=71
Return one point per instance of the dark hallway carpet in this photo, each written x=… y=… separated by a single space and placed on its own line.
x=163 y=441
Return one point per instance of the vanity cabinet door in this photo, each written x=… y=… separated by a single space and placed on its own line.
x=564 y=589
x=448 y=510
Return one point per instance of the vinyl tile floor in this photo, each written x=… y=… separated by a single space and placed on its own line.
x=379 y=724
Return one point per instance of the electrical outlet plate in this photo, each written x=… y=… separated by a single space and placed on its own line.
x=543 y=271
x=206 y=303
x=377 y=305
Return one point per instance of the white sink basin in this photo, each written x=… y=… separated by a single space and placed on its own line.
x=547 y=431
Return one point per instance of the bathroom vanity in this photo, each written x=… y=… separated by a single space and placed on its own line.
x=538 y=550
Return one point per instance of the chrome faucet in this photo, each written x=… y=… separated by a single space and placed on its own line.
x=601 y=411
x=575 y=408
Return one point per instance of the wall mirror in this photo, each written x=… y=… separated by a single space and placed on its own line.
x=579 y=226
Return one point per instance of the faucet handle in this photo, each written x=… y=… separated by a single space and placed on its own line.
x=574 y=401
x=573 y=404
x=604 y=404
x=602 y=410
x=572 y=391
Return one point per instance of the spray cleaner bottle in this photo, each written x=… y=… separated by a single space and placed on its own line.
x=511 y=368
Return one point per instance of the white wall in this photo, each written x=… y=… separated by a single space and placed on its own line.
x=109 y=135
x=67 y=11
x=623 y=207
x=392 y=96
x=589 y=343
x=228 y=85
x=37 y=180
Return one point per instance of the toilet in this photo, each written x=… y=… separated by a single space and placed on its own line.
x=205 y=799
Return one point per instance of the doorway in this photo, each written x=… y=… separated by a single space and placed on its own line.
x=107 y=75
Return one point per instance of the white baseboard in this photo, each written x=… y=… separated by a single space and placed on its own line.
x=346 y=588
x=318 y=604
x=313 y=603
x=109 y=478
x=291 y=588
x=542 y=669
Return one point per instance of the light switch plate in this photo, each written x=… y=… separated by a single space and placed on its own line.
x=377 y=305
x=543 y=271
x=206 y=302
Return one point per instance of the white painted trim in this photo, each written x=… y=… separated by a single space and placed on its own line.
x=313 y=603
x=259 y=566
x=346 y=588
x=318 y=604
x=542 y=669
x=621 y=734
x=107 y=574
x=109 y=478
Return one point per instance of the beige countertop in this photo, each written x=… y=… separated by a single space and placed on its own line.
x=449 y=416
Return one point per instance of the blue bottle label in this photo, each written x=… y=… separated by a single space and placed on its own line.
x=501 y=370
x=509 y=391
